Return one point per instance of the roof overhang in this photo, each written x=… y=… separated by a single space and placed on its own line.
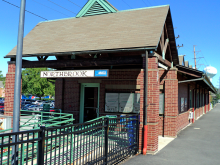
x=196 y=76
x=84 y=52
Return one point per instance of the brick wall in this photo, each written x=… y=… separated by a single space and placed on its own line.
x=153 y=104
x=198 y=112
x=70 y=88
x=206 y=100
x=59 y=93
x=168 y=123
x=9 y=89
x=160 y=125
x=171 y=104
x=183 y=120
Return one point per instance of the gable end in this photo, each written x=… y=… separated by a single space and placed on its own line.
x=96 y=7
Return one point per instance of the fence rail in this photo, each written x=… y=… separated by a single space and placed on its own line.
x=101 y=141
x=47 y=117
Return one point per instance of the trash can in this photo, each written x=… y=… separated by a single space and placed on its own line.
x=131 y=129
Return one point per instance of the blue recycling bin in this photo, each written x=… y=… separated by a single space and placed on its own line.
x=131 y=129
x=123 y=120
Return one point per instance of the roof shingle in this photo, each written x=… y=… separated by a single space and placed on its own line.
x=126 y=29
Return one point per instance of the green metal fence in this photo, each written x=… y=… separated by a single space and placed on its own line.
x=101 y=141
x=47 y=117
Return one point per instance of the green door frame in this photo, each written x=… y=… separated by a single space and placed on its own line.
x=82 y=99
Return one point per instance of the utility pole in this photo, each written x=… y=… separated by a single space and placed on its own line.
x=195 y=54
x=17 y=86
x=179 y=46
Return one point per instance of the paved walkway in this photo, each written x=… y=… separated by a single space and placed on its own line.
x=198 y=144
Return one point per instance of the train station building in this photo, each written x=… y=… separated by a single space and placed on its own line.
x=111 y=62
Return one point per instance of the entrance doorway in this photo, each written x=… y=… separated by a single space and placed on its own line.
x=89 y=101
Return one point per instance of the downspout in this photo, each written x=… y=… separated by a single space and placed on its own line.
x=145 y=109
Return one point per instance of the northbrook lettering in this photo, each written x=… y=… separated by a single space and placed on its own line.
x=80 y=73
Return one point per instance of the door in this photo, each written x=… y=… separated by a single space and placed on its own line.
x=89 y=101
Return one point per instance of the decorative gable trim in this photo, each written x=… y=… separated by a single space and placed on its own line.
x=96 y=7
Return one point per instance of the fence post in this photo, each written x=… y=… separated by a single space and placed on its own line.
x=137 y=133
x=106 y=140
x=41 y=144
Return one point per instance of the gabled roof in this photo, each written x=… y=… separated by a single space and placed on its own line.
x=96 y=7
x=139 y=28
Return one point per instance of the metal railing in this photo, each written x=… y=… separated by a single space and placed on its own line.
x=101 y=141
x=47 y=117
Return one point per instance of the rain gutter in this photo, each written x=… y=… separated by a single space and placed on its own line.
x=203 y=79
x=198 y=79
x=83 y=52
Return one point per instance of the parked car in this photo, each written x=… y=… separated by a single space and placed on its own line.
x=2 y=110
x=40 y=107
x=37 y=102
x=32 y=107
x=26 y=106
x=24 y=103
x=1 y=105
x=27 y=100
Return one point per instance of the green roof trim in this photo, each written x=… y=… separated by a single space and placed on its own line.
x=96 y=7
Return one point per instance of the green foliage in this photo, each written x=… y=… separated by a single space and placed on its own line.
x=2 y=78
x=217 y=96
x=50 y=99
x=33 y=84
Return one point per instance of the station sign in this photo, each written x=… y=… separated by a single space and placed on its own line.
x=75 y=73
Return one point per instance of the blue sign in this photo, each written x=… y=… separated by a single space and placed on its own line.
x=101 y=73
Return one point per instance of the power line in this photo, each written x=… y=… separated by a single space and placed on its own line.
x=50 y=8
x=126 y=3
x=61 y=6
x=144 y=2
x=204 y=57
x=200 y=51
x=149 y=2
x=74 y=3
x=25 y=10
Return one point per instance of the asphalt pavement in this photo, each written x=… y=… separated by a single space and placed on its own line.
x=198 y=144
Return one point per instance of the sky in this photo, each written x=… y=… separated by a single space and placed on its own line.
x=197 y=22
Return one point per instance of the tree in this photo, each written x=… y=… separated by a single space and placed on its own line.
x=1 y=75
x=2 y=78
x=33 y=84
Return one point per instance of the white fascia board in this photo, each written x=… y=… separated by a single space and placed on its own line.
x=162 y=66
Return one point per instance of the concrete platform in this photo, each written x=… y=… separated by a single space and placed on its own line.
x=197 y=144
x=163 y=142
